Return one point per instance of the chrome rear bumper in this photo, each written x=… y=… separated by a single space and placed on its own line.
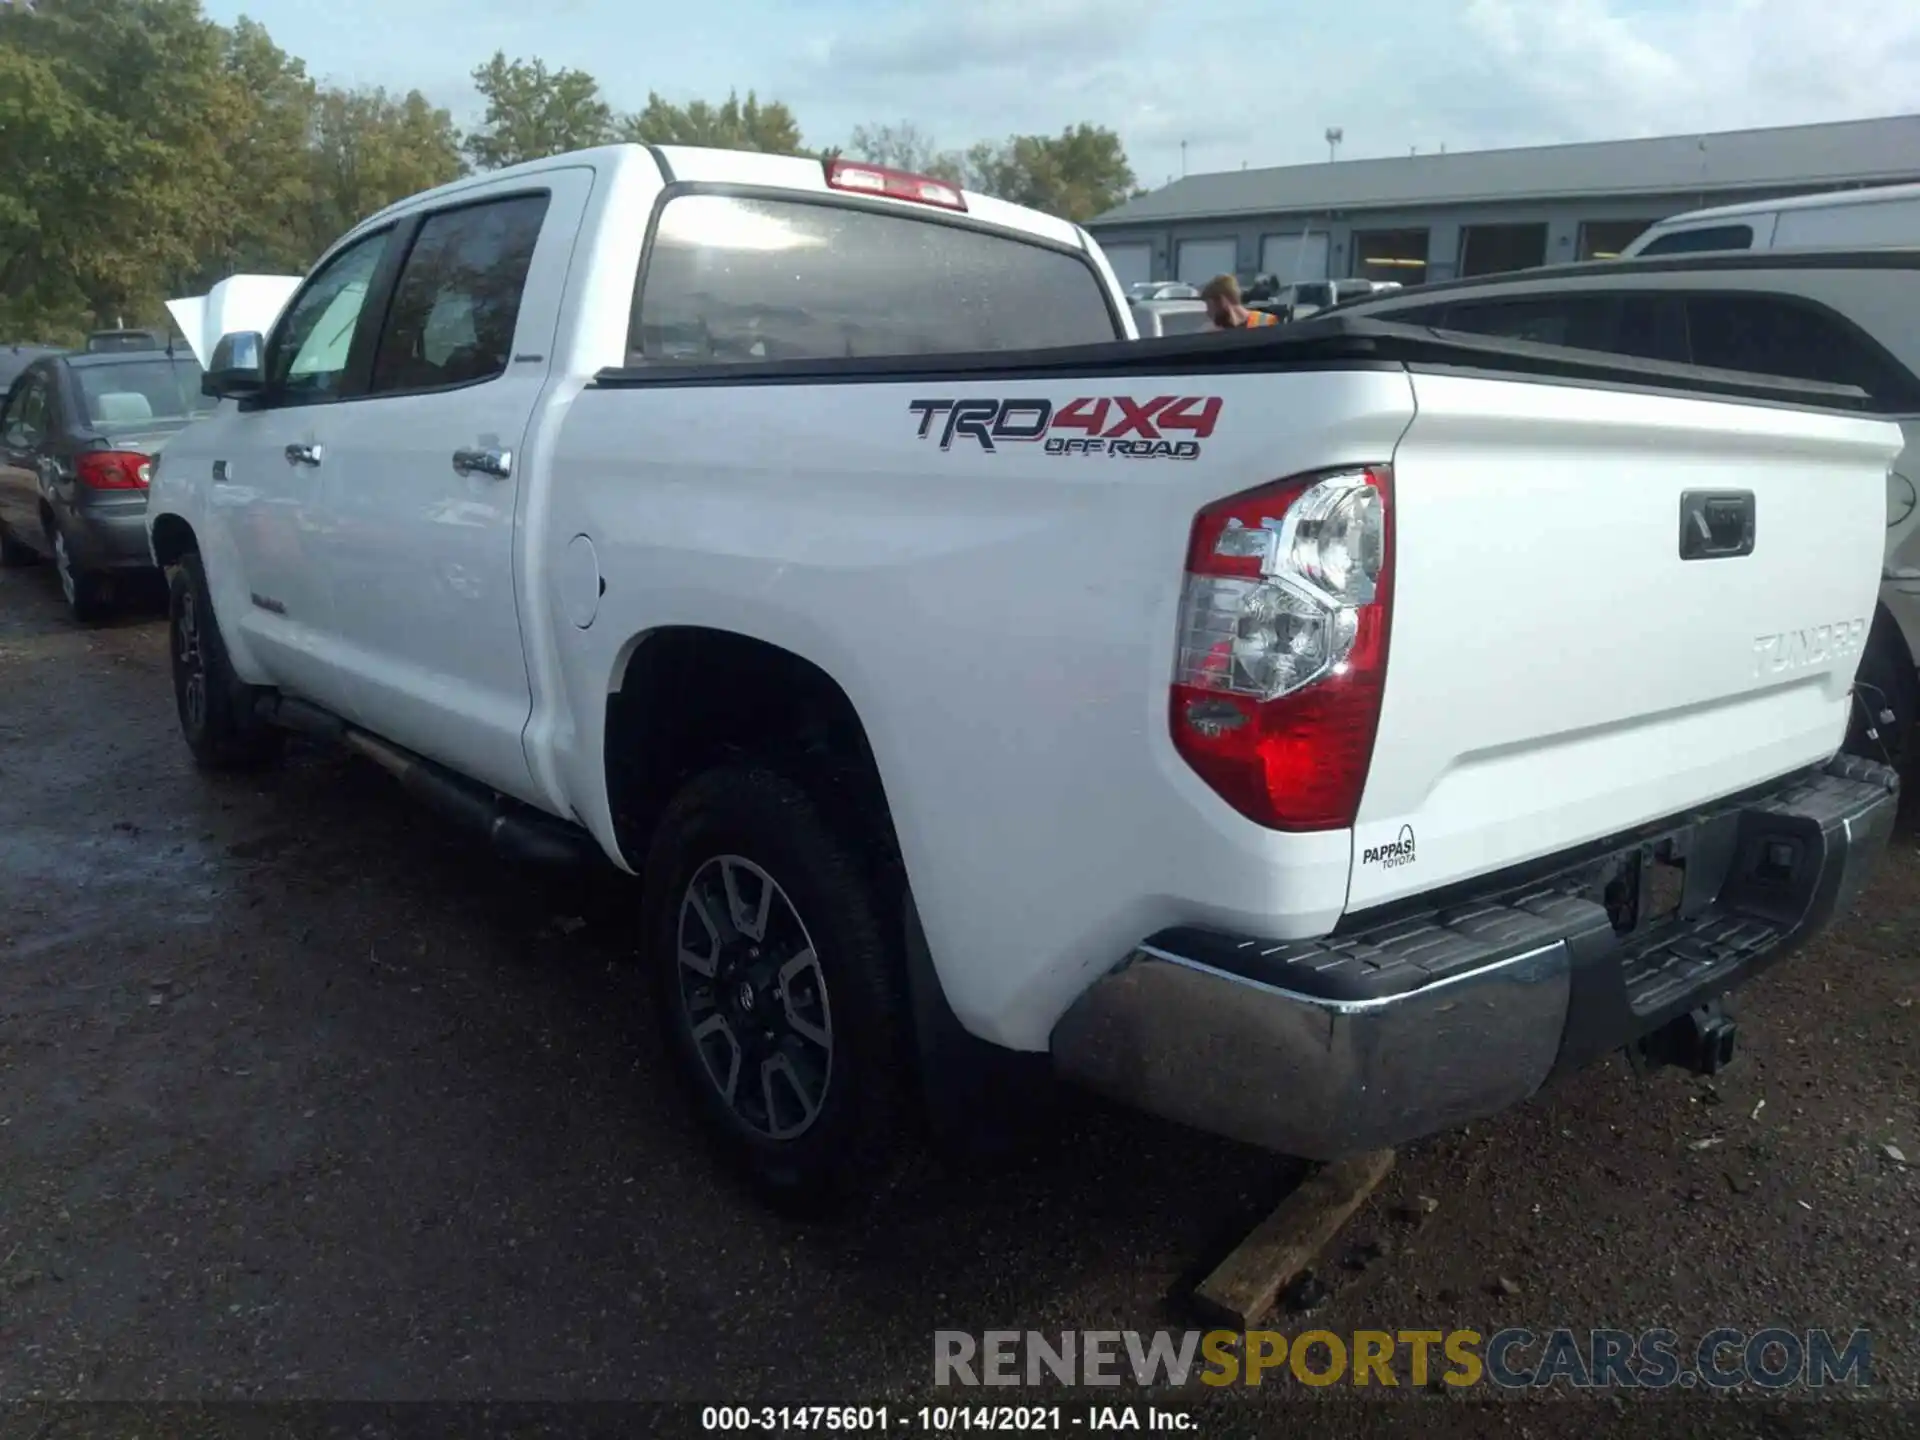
x=1422 y=1021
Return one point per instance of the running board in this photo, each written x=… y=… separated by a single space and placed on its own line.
x=515 y=830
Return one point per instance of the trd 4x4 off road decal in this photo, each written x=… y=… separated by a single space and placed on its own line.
x=1166 y=427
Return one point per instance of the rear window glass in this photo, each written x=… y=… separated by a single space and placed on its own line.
x=136 y=392
x=1711 y=237
x=733 y=278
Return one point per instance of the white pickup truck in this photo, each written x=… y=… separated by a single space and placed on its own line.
x=1322 y=736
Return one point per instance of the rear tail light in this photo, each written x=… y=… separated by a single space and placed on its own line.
x=1283 y=645
x=113 y=469
x=852 y=175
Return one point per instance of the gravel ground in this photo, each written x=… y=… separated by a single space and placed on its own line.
x=302 y=1095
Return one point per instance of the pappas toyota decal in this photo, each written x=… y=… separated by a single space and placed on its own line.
x=1393 y=854
x=1093 y=425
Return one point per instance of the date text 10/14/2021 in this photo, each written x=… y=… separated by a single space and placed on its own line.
x=945 y=1419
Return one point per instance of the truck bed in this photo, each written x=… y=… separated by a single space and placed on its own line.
x=1003 y=615
x=1314 y=344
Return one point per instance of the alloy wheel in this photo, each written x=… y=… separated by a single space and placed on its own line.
x=754 y=997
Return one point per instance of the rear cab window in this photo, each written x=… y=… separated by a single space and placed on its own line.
x=735 y=278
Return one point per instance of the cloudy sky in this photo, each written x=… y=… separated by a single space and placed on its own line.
x=1252 y=82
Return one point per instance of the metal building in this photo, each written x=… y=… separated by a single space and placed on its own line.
x=1434 y=217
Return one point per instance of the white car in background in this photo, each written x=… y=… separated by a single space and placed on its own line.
x=1154 y=318
x=1144 y=290
x=1308 y=297
x=1854 y=219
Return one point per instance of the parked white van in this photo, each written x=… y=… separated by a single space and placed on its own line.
x=1840 y=219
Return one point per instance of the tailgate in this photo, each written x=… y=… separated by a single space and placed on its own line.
x=1558 y=671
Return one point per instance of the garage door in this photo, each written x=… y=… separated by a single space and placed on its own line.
x=1294 y=257
x=1201 y=260
x=1132 y=264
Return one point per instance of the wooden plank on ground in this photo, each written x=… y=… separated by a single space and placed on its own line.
x=1244 y=1286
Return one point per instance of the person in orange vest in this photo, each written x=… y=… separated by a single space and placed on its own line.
x=1225 y=308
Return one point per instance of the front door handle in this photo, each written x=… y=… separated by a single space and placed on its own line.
x=305 y=454
x=497 y=463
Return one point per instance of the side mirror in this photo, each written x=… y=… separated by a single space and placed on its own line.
x=238 y=368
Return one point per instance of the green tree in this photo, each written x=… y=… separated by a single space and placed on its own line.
x=271 y=199
x=370 y=148
x=1077 y=174
x=905 y=147
x=42 y=181
x=533 y=112
x=146 y=152
x=734 y=124
x=114 y=163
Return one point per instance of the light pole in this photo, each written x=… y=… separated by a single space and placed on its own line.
x=1183 y=159
x=1334 y=136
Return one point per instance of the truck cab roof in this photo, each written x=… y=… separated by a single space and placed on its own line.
x=701 y=165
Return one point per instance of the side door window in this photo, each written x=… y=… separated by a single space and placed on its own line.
x=1770 y=335
x=26 y=422
x=11 y=412
x=308 y=356
x=457 y=300
x=23 y=426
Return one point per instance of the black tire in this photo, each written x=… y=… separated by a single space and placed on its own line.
x=1886 y=698
x=89 y=596
x=804 y=831
x=15 y=553
x=217 y=715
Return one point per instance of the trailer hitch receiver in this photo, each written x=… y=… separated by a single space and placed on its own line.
x=1701 y=1041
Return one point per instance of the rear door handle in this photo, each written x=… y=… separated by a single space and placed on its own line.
x=305 y=454
x=1716 y=524
x=497 y=463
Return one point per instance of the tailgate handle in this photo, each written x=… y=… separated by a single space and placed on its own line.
x=1716 y=524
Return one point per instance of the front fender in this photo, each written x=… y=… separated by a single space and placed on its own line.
x=179 y=494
